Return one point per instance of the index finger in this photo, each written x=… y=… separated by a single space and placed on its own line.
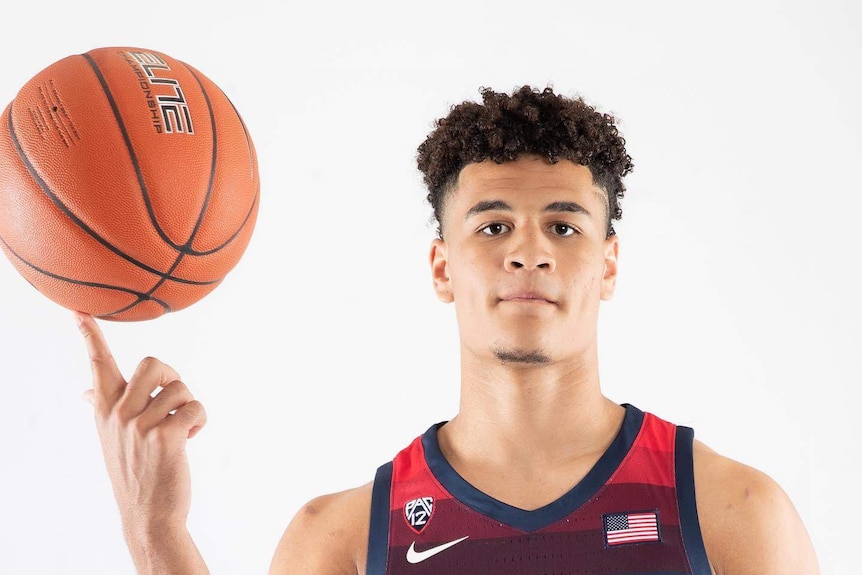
x=107 y=379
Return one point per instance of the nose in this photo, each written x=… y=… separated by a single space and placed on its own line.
x=529 y=250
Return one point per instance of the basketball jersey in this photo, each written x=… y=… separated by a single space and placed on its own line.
x=633 y=513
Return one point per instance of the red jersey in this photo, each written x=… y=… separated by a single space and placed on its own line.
x=634 y=513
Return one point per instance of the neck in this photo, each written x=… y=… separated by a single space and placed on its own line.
x=529 y=413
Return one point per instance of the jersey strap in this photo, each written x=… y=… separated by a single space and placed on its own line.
x=689 y=524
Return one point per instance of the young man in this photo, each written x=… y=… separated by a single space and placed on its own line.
x=538 y=472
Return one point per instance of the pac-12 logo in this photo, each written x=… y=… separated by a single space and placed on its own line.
x=418 y=512
x=169 y=111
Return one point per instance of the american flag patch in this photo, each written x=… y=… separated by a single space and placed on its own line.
x=623 y=528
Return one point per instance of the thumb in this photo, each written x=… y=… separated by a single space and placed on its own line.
x=88 y=396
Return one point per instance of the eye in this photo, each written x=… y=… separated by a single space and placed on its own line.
x=563 y=229
x=494 y=229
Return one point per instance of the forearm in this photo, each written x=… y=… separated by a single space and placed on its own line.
x=165 y=552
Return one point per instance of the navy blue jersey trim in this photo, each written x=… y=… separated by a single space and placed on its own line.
x=536 y=519
x=378 y=532
x=688 y=521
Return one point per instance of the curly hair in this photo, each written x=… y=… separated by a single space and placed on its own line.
x=528 y=121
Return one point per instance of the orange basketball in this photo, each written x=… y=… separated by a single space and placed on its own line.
x=128 y=183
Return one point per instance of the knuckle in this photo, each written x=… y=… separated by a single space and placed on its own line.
x=137 y=428
x=196 y=407
x=155 y=437
x=148 y=363
x=172 y=390
x=97 y=361
x=177 y=385
x=123 y=412
x=193 y=410
x=88 y=335
x=161 y=435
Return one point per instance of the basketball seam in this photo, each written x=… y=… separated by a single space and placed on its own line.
x=214 y=160
x=139 y=295
x=235 y=234
x=187 y=248
x=131 y=152
x=183 y=249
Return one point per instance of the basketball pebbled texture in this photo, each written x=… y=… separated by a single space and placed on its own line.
x=129 y=183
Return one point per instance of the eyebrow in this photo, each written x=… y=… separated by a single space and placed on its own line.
x=488 y=205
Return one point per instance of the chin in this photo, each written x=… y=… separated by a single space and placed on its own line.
x=521 y=356
x=522 y=350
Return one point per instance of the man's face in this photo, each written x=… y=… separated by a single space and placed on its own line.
x=525 y=259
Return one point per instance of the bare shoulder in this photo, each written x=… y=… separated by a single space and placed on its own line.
x=748 y=522
x=327 y=536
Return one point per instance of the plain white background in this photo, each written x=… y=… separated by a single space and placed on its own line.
x=325 y=351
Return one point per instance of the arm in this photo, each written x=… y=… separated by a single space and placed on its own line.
x=328 y=536
x=143 y=444
x=165 y=551
x=748 y=522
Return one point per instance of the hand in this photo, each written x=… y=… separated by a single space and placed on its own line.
x=143 y=444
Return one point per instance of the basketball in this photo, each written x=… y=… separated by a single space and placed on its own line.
x=129 y=183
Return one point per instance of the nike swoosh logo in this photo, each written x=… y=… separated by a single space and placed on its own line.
x=414 y=556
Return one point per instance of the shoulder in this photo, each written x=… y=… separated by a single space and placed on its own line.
x=748 y=522
x=327 y=536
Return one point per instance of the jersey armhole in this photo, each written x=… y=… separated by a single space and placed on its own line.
x=687 y=503
x=378 y=529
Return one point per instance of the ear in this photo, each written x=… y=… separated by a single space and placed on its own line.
x=440 y=271
x=609 y=280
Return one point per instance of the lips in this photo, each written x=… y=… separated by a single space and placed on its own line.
x=527 y=297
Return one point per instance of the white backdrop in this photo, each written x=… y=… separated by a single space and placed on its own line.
x=325 y=351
